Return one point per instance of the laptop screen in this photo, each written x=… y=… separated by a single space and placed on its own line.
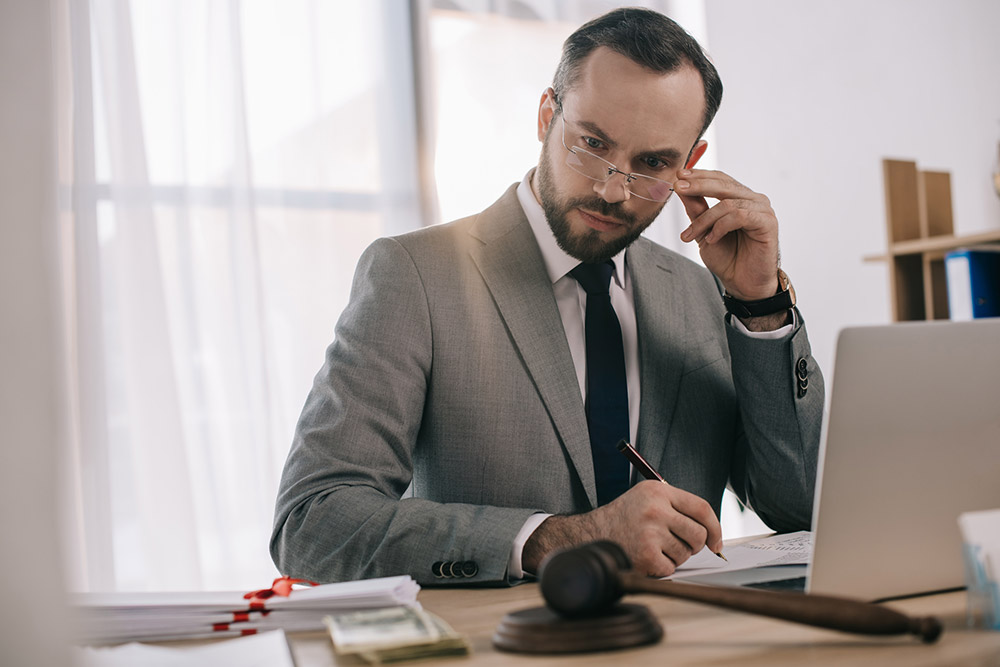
x=911 y=441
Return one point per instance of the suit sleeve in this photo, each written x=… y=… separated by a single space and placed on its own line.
x=780 y=391
x=340 y=512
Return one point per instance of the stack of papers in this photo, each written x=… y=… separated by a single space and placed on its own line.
x=265 y=650
x=106 y=618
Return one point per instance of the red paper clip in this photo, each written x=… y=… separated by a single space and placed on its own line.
x=282 y=586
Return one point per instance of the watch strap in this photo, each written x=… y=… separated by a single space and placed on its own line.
x=783 y=300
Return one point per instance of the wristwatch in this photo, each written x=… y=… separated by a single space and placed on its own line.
x=783 y=300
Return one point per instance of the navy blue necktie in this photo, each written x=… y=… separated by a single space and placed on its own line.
x=607 y=391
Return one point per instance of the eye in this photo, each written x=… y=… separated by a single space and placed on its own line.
x=654 y=163
x=593 y=143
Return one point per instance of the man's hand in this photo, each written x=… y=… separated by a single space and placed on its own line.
x=737 y=237
x=659 y=526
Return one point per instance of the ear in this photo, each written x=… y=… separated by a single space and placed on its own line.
x=546 y=112
x=699 y=150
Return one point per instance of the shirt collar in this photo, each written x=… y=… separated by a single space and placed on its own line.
x=557 y=262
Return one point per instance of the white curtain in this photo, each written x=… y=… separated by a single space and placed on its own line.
x=223 y=164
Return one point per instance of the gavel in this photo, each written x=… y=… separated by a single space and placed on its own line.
x=586 y=581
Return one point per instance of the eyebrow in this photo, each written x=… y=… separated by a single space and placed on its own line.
x=671 y=154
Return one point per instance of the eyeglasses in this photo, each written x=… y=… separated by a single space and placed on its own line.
x=598 y=169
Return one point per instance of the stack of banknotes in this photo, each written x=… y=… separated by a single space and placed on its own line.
x=394 y=634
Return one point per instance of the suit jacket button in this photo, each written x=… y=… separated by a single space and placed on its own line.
x=470 y=568
x=802 y=368
x=436 y=569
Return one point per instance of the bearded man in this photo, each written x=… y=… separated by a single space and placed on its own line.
x=466 y=420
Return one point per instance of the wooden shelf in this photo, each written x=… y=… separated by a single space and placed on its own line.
x=937 y=243
x=920 y=233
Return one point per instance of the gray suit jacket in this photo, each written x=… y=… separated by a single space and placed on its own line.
x=450 y=370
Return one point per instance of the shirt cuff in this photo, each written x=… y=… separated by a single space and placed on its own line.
x=766 y=335
x=514 y=570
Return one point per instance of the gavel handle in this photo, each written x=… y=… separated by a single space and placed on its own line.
x=824 y=611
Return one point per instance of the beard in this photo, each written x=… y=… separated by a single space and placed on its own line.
x=586 y=246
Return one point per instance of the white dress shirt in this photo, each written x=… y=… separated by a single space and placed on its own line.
x=571 y=300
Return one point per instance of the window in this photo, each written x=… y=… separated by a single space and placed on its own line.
x=230 y=162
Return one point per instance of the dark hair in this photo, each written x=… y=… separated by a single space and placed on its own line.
x=645 y=37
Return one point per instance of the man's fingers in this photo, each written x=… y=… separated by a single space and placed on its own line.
x=699 y=511
x=661 y=566
x=693 y=206
x=660 y=526
x=714 y=184
x=690 y=534
x=704 y=224
x=723 y=226
x=665 y=559
x=675 y=550
x=725 y=217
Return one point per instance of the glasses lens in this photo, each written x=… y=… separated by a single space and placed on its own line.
x=593 y=167
x=589 y=165
x=650 y=188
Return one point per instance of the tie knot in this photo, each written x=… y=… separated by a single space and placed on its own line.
x=594 y=278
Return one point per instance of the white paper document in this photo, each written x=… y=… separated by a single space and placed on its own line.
x=264 y=650
x=788 y=549
x=120 y=617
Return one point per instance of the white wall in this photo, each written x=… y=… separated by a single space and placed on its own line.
x=816 y=94
x=32 y=619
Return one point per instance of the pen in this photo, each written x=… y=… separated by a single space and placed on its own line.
x=646 y=470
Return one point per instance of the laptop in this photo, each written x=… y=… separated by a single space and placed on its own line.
x=912 y=440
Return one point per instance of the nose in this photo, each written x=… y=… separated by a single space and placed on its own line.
x=615 y=189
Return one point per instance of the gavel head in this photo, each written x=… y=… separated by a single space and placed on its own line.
x=584 y=580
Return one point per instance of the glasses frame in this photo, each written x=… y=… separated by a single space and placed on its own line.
x=611 y=169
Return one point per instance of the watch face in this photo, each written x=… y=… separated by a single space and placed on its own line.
x=786 y=285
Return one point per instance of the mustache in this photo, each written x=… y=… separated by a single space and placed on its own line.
x=608 y=209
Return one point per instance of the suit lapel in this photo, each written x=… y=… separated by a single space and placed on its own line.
x=660 y=323
x=513 y=269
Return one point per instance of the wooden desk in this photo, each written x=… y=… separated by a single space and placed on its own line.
x=699 y=635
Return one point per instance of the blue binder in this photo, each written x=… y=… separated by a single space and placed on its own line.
x=973 y=283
